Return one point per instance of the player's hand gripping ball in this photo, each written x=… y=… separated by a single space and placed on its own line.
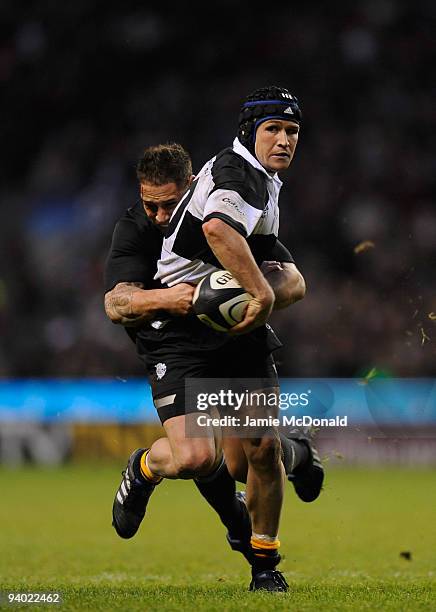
x=219 y=300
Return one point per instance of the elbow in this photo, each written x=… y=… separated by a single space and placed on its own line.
x=214 y=228
x=295 y=291
x=298 y=289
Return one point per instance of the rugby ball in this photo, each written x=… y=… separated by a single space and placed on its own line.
x=219 y=300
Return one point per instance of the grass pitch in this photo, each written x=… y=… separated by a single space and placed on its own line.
x=342 y=552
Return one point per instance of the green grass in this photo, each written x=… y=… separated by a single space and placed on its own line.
x=341 y=553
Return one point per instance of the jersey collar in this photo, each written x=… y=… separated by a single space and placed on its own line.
x=245 y=153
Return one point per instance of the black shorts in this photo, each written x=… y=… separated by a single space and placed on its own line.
x=244 y=357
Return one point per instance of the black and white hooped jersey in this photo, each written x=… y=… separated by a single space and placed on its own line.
x=234 y=187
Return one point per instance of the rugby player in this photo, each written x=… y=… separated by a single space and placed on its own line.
x=127 y=303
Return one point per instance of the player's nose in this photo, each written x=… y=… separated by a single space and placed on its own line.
x=162 y=216
x=282 y=138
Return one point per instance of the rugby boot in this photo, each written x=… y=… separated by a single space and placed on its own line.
x=308 y=477
x=131 y=498
x=239 y=537
x=269 y=580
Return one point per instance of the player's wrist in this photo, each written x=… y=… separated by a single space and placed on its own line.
x=147 y=302
x=265 y=296
x=168 y=298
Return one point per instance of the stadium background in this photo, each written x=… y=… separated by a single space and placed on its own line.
x=87 y=85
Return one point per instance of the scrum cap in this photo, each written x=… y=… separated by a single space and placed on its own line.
x=263 y=104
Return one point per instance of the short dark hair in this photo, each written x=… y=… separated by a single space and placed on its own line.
x=165 y=163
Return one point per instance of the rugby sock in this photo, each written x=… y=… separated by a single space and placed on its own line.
x=219 y=490
x=265 y=552
x=294 y=453
x=146 y=473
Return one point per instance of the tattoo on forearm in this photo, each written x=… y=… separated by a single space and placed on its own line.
x=119 y=302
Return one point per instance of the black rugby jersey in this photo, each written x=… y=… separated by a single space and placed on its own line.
x=133 y=256
x=135 y=250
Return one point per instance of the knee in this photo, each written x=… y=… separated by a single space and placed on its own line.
x=264 y=453
x=191 y=463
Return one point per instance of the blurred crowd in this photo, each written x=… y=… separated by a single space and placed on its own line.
x=86 y=86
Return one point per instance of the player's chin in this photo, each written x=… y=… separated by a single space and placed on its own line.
x=279 y=163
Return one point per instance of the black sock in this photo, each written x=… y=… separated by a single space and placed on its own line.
x=264 y=560
x=294 y=453
x=219 y=490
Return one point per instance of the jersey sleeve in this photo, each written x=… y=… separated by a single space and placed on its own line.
x=239 y=194
x=126 y=261
x=280 y=253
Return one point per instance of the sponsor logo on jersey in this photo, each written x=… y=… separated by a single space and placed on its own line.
x=235 y=206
